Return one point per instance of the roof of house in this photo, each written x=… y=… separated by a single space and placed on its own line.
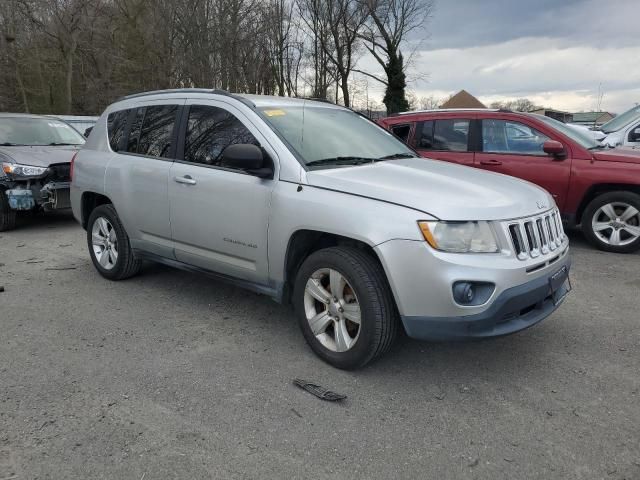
x=463 y=99
x=589 y=116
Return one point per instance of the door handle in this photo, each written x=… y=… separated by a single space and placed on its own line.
x=187 y=180
x=490 y=161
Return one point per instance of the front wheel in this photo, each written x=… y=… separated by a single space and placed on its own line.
x=344 y=306
x=109 y=246
x=611 y=222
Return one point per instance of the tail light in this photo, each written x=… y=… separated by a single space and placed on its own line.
x=73 y=161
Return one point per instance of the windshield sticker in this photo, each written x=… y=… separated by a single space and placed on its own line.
x=274 y=113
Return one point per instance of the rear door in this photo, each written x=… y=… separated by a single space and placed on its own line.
x=447 y=138
x=137 y=175
x=219 y=216
x=515 y=148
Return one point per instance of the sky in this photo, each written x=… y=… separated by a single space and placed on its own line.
x=559 y=53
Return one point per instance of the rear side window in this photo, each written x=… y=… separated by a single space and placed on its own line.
x=157 y=130
x=116 y=123
x=209 y=131
x=134 y=133
x=446 y=135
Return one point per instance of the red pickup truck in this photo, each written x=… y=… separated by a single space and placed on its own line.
x=594 y=187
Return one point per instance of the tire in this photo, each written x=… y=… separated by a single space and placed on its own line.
x=620 y=234
x=363 y=289
x=123 y=264
x=7 y=215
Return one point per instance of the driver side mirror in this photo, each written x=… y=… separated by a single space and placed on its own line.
x=634 y=136
x=246 y=157
x=552 y=147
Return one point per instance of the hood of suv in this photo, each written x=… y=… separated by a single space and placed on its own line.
x=38 y=156
x=625 y=155
x=443 y=190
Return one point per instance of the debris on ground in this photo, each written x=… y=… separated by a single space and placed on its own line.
x=318 y=391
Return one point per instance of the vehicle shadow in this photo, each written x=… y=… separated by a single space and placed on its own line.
x=521 y=354
x=33 y=221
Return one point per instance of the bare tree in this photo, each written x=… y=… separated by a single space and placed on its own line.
x=387 y=31
x=518 y=105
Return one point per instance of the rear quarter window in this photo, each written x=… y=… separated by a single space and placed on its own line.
x=116 y=123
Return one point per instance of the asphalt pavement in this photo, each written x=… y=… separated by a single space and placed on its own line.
x=175 y=375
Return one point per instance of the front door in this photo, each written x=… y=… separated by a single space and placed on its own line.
x=219 y=216
x=515 y=149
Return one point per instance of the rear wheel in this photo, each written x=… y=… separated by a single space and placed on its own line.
x=109 y=245
x=344 y=306
x=611 y=222
x=7 y=215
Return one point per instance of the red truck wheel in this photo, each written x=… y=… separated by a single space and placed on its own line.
x=611 y=222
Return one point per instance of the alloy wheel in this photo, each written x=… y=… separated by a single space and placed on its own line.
x=332 y=310
x=616 y=223
x=105 y=243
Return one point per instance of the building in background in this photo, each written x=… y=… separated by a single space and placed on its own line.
x=592 y=119
x=463 y=99
x=564 y=117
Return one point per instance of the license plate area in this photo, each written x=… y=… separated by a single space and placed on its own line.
x=556 y=282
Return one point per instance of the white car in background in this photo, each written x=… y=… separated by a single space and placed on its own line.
x=621 y=131
x=597 y=135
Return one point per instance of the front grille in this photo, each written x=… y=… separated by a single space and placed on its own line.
x=60 y=172
x=537 y=235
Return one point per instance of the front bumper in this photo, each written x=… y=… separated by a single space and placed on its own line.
x=421 y=280
x=50 y=196
x=513 y=310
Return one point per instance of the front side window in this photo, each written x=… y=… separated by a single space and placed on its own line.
x=329 y=137
x=445 y=135
x=116 y=123
x=209 y=131
x=37 y=131
x=502 y=136
x=157 y=130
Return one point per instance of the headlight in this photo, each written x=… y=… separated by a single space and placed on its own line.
x=18 y=170
x=459 y=237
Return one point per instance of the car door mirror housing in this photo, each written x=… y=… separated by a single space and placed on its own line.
x=634 y=136
x=555 y=148
x=247 y=157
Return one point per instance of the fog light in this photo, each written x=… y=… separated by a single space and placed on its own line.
x=463 y=293
x=472 y=293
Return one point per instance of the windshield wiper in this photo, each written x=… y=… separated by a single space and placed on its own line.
x=341 y=161
x=9 y=144
x=61 y=144
x=395 y=156
x=597 y=147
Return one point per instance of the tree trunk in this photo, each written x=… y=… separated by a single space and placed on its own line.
x=69 y=74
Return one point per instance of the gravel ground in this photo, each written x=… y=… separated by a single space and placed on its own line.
x=174 y=375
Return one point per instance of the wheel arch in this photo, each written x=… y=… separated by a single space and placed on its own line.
x=89 y=201
x=304 y=242
x=599 y=189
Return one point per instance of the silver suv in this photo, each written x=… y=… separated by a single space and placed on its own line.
x=313 y=204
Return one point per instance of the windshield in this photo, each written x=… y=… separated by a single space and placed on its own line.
x=621 y=120
x=33 y=131
x=320 y=135
x=583 y=138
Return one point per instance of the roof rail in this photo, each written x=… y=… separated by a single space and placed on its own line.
x=176 y=90
x=317 y=99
